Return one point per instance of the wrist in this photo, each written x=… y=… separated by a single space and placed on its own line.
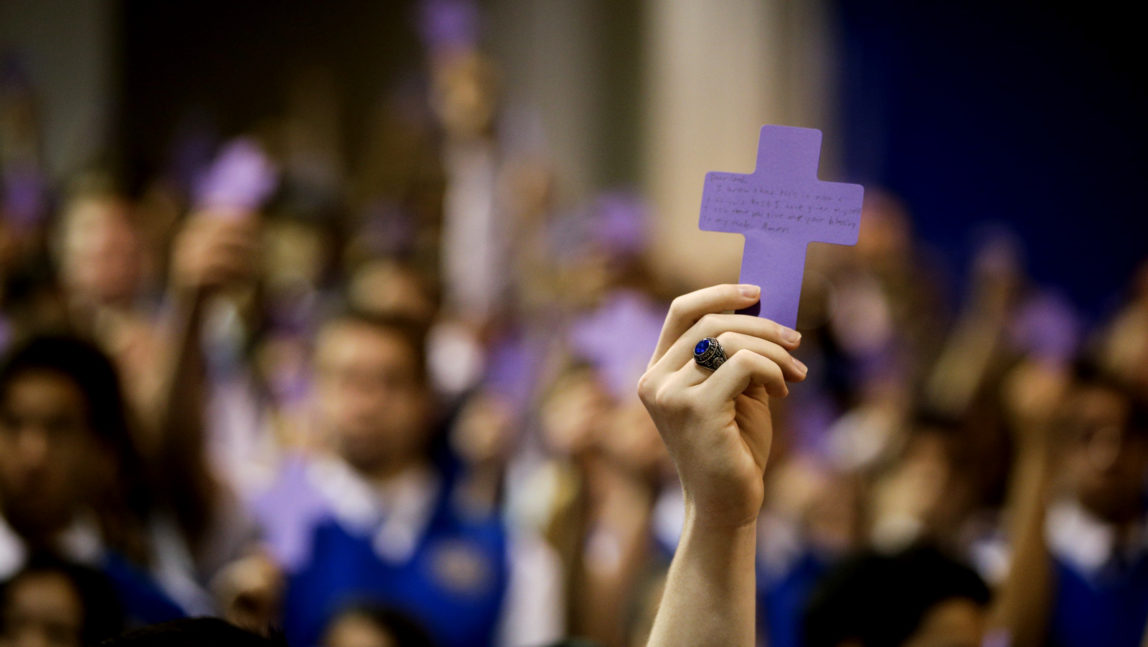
x=718 y=524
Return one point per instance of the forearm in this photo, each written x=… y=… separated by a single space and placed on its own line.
x=181 y=445
x=607 y=584
x=717 y=427
x=1022 y=603
x=180 y=412
x=710 y=592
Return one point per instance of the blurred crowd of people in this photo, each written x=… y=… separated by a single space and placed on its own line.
x=395 y=404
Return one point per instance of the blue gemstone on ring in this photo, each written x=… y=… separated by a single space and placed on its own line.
x=709 y=353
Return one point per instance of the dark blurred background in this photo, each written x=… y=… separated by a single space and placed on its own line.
x=974 y=113
x=1005 y=112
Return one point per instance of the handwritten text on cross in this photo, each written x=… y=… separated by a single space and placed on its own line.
x=780 y=208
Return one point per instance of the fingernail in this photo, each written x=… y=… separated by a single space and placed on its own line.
x=790 y=335
x=749 y=290
x=801 y=366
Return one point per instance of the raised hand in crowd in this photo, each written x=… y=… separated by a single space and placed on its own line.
x=716 y=424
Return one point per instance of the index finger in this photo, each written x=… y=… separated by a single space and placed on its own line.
x=688 y=308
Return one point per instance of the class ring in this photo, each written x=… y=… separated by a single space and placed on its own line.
x=709 y=353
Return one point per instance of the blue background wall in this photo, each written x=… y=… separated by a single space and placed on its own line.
x=983 y=113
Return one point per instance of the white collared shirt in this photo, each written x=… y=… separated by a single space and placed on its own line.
x=171 y=567
x=1073 y=534
x=1086 y=542
x=396 y=515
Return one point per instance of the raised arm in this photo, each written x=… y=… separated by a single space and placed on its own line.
x=1021 y=606
x=212 y=251
x=717 y=427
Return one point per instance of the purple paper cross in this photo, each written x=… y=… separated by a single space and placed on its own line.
x=780 y=208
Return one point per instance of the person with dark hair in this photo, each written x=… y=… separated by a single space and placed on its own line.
x=71 y=480
x=1079 y=566
x=56 y=602
x=194 y=632
x=61 y=411
x=145 y=488
x=916 y=597
x=374 y=518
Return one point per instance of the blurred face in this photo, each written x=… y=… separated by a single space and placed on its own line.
x=485 y=429
x=884 y=233
x=353 y=630
x=574 y=413
x=915 y=485
x=952 y=623
x=632 y=439
x=293 y=256
x=46 y=452
x=370 y=398
x=1106 y=461
x=385 y=287
x=41 y=610
x=464 y=95
x=100 y=253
